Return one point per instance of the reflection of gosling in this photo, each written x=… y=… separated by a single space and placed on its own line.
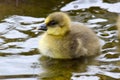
x=66 y=39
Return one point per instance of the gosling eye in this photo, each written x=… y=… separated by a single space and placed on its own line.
x=52 y=23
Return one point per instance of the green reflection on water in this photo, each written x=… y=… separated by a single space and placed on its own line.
x=63 y=69
x=36 y=8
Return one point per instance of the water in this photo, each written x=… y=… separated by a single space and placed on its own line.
x=20 y=59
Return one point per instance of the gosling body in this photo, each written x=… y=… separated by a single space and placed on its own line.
x=65 y=39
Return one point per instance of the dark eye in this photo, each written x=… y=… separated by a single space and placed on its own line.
x=53 y=22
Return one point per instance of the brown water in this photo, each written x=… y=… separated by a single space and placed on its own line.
x=20 y=59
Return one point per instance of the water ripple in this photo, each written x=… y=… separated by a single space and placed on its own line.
x=80 y=4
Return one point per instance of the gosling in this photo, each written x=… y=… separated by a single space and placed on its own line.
x=64 y=39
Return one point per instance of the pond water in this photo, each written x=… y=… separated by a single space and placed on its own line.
x=20 y=59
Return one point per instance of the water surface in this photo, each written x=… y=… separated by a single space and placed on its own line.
x=20 y=59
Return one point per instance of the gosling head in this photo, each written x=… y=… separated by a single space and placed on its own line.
x=57 y=23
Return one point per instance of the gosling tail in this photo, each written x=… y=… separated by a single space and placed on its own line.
x=118 y=26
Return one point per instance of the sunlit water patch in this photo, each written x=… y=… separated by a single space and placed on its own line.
x=16 y=32
x=109 y=57
x=18 y=65
x=23 y=19
x=86 y=78
x=97 y=20
x=102 y=70
x=83 y=4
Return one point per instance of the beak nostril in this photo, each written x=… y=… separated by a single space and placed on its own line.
x=43 y=27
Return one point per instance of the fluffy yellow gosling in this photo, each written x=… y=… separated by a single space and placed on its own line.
x=64 y=39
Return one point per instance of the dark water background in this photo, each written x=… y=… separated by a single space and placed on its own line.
x=20 y=59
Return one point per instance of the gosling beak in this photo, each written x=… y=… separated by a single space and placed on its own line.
x=43 y=27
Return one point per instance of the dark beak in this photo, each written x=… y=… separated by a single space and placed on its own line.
x=43 y=27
